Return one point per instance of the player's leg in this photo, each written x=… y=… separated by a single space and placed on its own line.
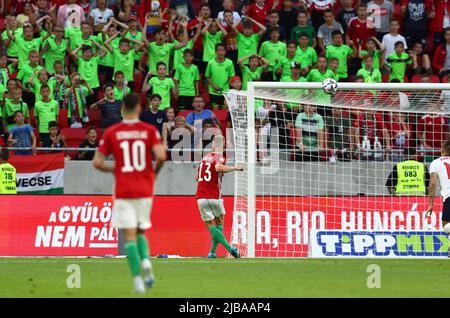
x=218 y=211
x=446 y=219
x=208 y=219
x=144 y=211
x=125 y=217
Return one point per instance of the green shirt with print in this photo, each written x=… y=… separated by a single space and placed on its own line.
x=307 y=57
x=310 y=126
x=342 y=53
x=178 y=55
x=249 y=76
x=46 y=112
x=108 y=59
x=376 y=58
x=372 y=76
x=163 y=88
x=309 y=29
x=186 y=76
x=209 y=45
x=27 y=72
x=285 y=63
x=219 y=73
x=88 y=70
x=12 y=47
x=398 y=63
x=11 y=107
x=119 y=93
x=159 y=53
x=247 y=45
x=272 y=52
x=24 y=47
x=55 y=52
x=136 y=37
x=52 y=83
x=124 y=63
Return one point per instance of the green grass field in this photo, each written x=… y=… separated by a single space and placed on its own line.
x=43 y=277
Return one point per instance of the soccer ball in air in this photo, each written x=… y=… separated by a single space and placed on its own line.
x=329 y=86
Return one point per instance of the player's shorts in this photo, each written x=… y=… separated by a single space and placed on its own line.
x=446 y=210
x=132 y=213
x=210 y=208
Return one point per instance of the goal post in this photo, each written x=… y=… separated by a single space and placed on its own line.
x=317 y=168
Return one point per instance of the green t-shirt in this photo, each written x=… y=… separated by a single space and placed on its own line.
x=309 y=29
x=88 y=70
x=272 y=52
x=27 y=72
x=285 y=63
x=373 y=76
x=159 y=53
x=398 y=65
x=72 y=34
x=289 y=78
x=307 y=57
x=108 y=60
x=186 y=76
x=137 y=37
x=341 y=53
x=163 y=88
x=209 y=45
x=12 y=47
x=219 y=73
x=5 y=74
x=376 y=58
x=24 y=47
x=249 y=76
x=310 y=126
x=118 y=93
x=124 y=63
x=247 y=45
x=11 y=108
x=52 y=82
x=46 y=112
x=55 y=52
x=178 y=55
x=316 y=76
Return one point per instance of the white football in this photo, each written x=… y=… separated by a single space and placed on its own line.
x=329 y=86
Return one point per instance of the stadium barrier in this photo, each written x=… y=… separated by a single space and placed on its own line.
x=67 y=225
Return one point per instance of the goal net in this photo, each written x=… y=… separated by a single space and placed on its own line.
x=337 y=175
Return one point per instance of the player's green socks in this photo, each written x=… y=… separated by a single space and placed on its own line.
x=142 y=245
x=219 y=237
x=133 y=258
x=215 y=242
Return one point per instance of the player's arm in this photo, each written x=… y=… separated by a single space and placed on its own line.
x=100 y=163
x=160 y=155
x=220 y=168
x=431 y=192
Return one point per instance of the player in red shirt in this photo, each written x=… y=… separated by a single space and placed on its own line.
x=132 y=142
x=209 y=198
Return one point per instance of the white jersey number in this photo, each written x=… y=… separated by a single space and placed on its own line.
x=207 y=176
x=134 y=158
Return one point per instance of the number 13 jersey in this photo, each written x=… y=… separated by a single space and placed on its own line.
x=209 y=181
x=131 y=143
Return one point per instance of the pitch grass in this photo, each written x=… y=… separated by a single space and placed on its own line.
x=43 y=277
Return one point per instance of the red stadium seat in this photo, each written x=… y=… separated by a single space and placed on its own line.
x=137 y=79
x=73 y=137
x=444 y=79
x=184 y=113
x=62 y=119
x=418 y=79
x=95 y=118
x=385 y=79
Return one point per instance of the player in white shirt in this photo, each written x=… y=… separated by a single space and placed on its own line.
x=440 y=170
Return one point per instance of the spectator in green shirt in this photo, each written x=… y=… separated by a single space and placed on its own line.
x=247 y=40
x=213 y=33
x=88 y=64
x=54 y=49
x=304 y=27
x=375 y=49
x=120 y=86
x=272 y=51
x=257 y=65
x=370 y=74
x=306 y=54
x=160 y=84
x=45 y=111
x=333 y=66
x=342 y=52
x=218 y=73
x=397 y=62
x=186 y=80
x=26 y=73
x=284 y=62
x=123 y=58
x=310 y=132
x=13 y=104
x=159 y=50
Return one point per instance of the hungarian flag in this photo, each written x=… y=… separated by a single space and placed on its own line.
x=41 y=174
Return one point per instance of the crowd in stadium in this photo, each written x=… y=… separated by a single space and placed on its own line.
x=65 y=65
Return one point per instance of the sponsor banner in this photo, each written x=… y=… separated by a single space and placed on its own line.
x=38 y=225
x=39 y=174
x=387 y=244
x=80 y=225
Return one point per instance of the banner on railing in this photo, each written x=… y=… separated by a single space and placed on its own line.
x=42 y=174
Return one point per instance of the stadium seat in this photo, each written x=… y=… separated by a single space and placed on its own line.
x=62 y=119
x=137 y=79
x=184 y=113
x=444 y=79
x=385 y=78
x=73 y=137
x=418 y=79
x=95 y=118
x=222 y=115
